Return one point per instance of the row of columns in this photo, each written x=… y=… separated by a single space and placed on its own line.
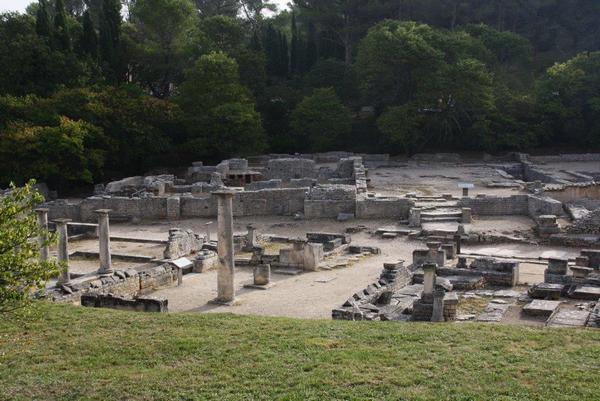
x=63 y=242
x=225 y=249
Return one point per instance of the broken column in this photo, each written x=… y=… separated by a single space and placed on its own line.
x=437 y=314
x=104 y=241
x=423 y=307
x=225 y=274
x=63 y=250
x=467 y=217
x=250 y=239
x=428 y=280
x=414 y=217
x=42 y=220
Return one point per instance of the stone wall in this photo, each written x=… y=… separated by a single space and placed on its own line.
x=587 y=157
x=139 y=304
x=383 y=208
x=290 y=168
x=325 y=201
x=128 y=283
x=538 y=205
x=497 y=206
x=574 y=192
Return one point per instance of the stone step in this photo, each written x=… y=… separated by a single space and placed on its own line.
x=440 y=219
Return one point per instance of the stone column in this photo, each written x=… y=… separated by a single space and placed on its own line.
x=438 y=306
x=104 y=241
x=42 y=220
x=225 y=274
x=63 y=249
x=428 y=281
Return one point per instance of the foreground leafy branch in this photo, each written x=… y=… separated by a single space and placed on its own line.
x=22 y=273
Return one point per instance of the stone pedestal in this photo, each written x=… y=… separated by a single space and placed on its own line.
x=104 y=241
x=42 y=220
x=225 y=274
x=557 y=271
x=547 y=225
x=63 y=250
x=262 y=278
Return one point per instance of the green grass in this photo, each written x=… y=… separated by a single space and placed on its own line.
x=76 y=353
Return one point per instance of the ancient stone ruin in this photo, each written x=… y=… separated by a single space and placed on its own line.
x=494 y=239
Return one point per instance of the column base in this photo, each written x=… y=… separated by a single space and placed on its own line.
x=258 y=286
x=221 y=302
x=105 y=272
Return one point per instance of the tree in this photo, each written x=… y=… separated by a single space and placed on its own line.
x=568 y=100
x=294 y=48
x=345 y=21
x=110 y=40
x=219 y=113
x=28 y=63
x=61 y=31
x=161 y=26
x=57 y=155
x=89 y=39
x=394 y=59
x=22 y=273
x=42 y=20
x=321 y=120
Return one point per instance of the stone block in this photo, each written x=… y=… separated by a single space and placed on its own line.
x=546 y=291
x=541 y=308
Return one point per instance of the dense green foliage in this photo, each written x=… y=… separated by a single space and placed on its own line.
x=21 y=271
x=118 y=87
x=97 y=354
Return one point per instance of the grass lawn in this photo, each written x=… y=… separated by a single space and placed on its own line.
x=76 y=353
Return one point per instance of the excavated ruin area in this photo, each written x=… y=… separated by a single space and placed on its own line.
x=352 y=214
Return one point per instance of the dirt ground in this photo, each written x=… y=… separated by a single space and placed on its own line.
x=435 y=179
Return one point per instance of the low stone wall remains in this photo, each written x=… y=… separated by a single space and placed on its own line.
x=138 y=304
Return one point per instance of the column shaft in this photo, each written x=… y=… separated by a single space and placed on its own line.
x=225 y=274
x=63 y=250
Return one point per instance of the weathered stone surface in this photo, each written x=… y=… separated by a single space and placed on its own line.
x=182 y=243
x=139 y=304
x=569 y=318
x=494 y=312
x=547 y=291
x=538 y=307
x=586 y=293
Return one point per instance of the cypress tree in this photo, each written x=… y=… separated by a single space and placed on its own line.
x=61 y=31
x=294 y=53
x=284 y=55
x=42 y=20
x=312 y=53
x=89 y=39
x=110 y=30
